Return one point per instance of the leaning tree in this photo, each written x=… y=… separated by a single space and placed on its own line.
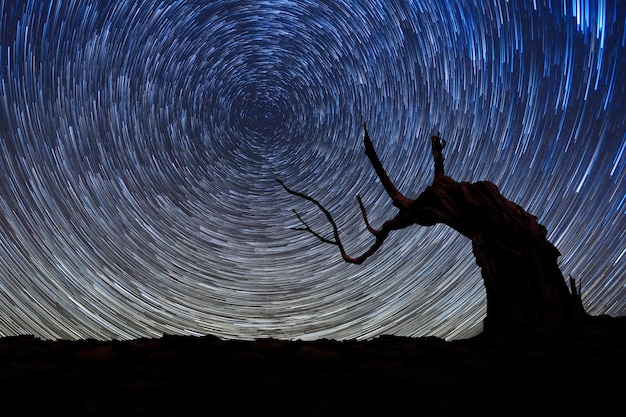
x=525 y=289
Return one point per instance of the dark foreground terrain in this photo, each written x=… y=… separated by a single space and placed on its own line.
x=576 y=374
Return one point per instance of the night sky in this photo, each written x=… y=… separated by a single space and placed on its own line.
x=140 y=143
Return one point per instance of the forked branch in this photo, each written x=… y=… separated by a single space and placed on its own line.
x=398 y=222
x=406 y=215
x=307 y=228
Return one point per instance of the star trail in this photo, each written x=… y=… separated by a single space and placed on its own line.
x=140 y=143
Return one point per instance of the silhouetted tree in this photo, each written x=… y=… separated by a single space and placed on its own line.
x=525 y=289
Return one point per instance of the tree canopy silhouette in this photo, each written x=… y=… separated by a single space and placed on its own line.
x=525 y=289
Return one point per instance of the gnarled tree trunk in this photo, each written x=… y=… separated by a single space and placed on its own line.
x=526 y=291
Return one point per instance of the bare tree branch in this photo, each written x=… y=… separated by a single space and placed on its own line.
x=398 y=200
x=307 y=228
x=437 y=144
x=373 y=231
x=337 y=240
x=400 y=221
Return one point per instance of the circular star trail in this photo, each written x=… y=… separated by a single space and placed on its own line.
x=140 y=143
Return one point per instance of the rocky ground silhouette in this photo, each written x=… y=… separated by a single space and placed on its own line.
x=578 y=373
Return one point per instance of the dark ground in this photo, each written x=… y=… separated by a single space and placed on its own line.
x=574 y=374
